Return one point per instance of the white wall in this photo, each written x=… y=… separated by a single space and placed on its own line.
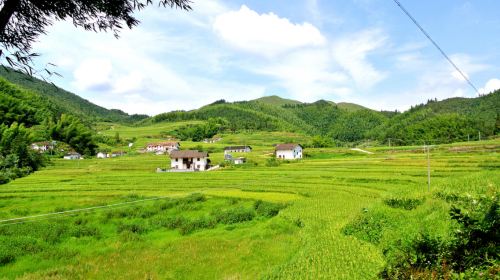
x=290 y=154
x=200 y=164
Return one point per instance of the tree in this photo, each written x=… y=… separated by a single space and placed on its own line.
x=17 y=159
x=71 y=131
x=22 y=21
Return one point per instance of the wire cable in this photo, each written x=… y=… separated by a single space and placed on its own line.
x=74 y=211
x=437 y=46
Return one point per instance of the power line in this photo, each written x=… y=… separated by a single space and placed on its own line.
x=437 y=46
x=74 y=211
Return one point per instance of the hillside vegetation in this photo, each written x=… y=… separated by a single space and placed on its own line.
x=60 y=101
x=450 y=120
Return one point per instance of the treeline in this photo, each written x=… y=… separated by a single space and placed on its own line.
x=27 y=117
x=64 y=102
x=451 y=120
x=17 y=159
x=198 y=132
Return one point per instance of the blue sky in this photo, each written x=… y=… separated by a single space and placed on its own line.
x=360 y=51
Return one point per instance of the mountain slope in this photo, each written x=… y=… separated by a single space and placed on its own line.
x=276 y=100
x=454 y=119
x=439 y=121
x=351 y=106
x=67 y=102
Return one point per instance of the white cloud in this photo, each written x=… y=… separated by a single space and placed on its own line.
x=432 y=78
x=490 y=86
x=307 y=75
x=93 y=74
x=351 y=53
x=265 y=34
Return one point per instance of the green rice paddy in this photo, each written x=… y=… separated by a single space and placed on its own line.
x=208 y=225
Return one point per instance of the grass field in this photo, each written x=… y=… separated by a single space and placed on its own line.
x=209 y=225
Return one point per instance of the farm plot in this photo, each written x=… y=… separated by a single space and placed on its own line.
x=304 y=238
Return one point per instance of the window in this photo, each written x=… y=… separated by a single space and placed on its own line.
x=198 y=159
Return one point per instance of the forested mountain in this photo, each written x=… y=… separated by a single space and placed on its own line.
x=276 y=100
x=454 y=119
x=65 y=102
x=27 y=116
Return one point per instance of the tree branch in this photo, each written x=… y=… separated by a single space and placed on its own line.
x=8 y=9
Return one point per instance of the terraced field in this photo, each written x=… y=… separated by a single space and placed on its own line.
x=224 y=233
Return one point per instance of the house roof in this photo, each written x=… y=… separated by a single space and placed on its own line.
x=236 y=148
x=188 y=154
x=44 y=143
x=286 y=147
x=164 y=144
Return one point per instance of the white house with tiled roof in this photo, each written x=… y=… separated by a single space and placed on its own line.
x=163 y=147
x=288 y=151
x=237 y=149
x=189 y=160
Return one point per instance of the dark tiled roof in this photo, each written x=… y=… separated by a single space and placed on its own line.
x=164 y=144
x=286 y=147
x=188 y=154
x=236 y=148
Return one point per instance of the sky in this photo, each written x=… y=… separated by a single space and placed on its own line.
x=361 y=51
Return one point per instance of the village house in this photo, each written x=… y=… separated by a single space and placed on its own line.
x=288 y=151
x=42 y=146
x=213 y=140
x=118 y=154
x=163 y=147
x=239 y=160
x=237 y=149
x=72 y=156
x=189 y=160
x=102 y=155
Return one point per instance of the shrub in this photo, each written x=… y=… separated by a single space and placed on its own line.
x=471 y=251
x=84 y=230
x=235 y=215
x=412 y=260
x=267 y=209
x=168 y=222
x=195 y=197
x=6 y=256
x=12 y=247
x=135 y=227
x=369 y=227
x=167 y=204
x=298 y=222
x=272 y=162
x=404 y=202
x=190 y=226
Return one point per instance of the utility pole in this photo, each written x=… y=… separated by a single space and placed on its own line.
x=427 y=151
x=428 y=169
x=468 y=137
x=389 y=142
x=479 y=135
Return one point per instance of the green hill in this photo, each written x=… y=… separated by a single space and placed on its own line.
x=351 y=106
x=66 y=102
x=276 y=100
x=454 y=119
x=436 y=121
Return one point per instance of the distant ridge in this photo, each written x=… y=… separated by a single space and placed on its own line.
x=351 y=106
x=276 y=100
x=67 y=102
